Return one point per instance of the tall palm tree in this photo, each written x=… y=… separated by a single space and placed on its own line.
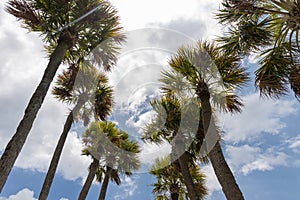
x=212 y=76
x=113 y=152
x=170 y=184
x=89 y=90
x=70 y=29
x=271 y=29
x=167 y=126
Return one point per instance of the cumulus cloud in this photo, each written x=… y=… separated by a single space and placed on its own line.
x=73 y=165
x=258 y=116
x=191 y=27
x=155 y=11
x=246 y=159
x=37 y=151
x=212 y=182
x=150 y=152
x=294 y=143
x=128 y=187
x=24 y=194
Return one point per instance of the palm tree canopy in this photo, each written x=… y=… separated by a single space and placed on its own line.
x=111 y=146
x=170 y=179
x=84 y=23
x=85 y=84
x=269 y=28
x=205 y=63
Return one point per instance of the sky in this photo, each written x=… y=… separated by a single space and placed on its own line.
x=261 y=144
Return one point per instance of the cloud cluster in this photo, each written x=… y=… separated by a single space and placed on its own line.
x=24 y=194
x=259 y=116
x=212 y=182
x=246 y=159
x=128 y=187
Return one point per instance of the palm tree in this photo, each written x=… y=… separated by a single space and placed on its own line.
x=170 y=184
x=70 y=29
x=269 y=28
x=211 y=75
x=166 y=127
x=113 y=152
x=89 y=90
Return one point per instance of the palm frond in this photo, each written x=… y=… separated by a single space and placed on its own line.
x=271 y=77
x=26 y=13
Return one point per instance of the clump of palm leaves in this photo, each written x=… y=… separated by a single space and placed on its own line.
x=113 y=153
x=170 y=183
x=269 y=28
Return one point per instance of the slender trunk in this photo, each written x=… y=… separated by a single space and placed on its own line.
x=58 y=150
x=174 y=191
x=174 y=196
x=89 y=180
x=16 y=143
x=178 y=153
x=187 y=178
x=105 y=184
x=220 y=166
x=224 y=174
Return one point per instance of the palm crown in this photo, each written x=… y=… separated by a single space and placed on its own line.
x=170 y=181
x=111 y=146
x=84 y=23
x=89 y=86
x=205 y=65
x=271 y=29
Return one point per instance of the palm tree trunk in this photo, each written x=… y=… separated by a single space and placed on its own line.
x=187 y=178
x=16 y=143
x=174 y=196
x=174 y=191
x=220 y=166
x=58 y=150
x=224 y=174
x=89 y=180
x=105 y=184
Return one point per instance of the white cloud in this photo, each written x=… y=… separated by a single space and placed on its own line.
x=242 y=155
x=257 y=117
x=141 y=13
x=266 y=162
x=150 y=152
x=141 y=121
x=294 y=144
x=212 y=182
x=246 y=159
x=24 y=194
x=72 y=164
x=38 y=149
x=128 y=187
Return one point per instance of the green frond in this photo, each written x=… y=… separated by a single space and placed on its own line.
x=104 y=141
x=92 y=27
x=24 y=11
x=271 y=77
x=265 y=27
x=170 y=180
x=114 y=176
x=247 y=36
x=294 y=80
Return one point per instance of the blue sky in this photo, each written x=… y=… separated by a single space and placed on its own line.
x=262 y=144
